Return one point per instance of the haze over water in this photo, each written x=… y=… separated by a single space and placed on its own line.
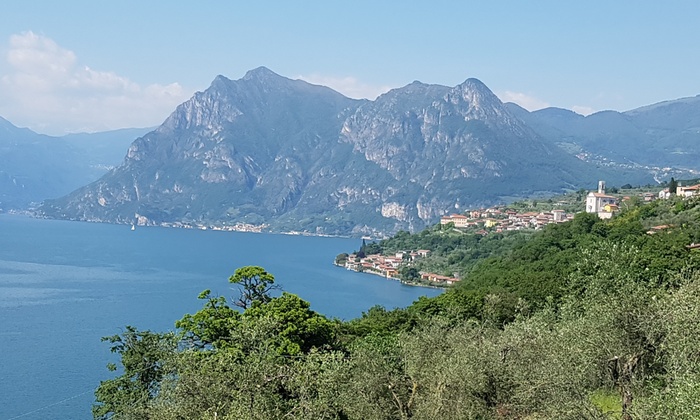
x=63 y=285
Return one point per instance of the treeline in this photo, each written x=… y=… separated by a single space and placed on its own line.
x=589 y=319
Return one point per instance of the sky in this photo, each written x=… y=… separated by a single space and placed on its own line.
x=85 y=66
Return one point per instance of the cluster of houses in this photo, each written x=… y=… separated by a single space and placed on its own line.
x=237 y=227
x=606 y=205
x=598 y=202
x=681 y=191
x=388 y=266
x=500 y=219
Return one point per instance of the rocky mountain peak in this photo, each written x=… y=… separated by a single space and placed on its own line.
x=260 y=91
x=265 y=79
x=415 y=89
x=475 y=93
x=261 y=73
x=220 y=82
x=475 y=101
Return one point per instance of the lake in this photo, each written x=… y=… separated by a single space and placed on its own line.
x=63 y=285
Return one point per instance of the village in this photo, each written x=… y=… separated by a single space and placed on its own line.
x=498 y=219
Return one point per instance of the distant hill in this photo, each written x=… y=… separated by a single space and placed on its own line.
x=666 y=134
x=34 y=167
x=294 y=156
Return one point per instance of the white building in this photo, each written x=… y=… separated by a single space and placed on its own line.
x=664 y=194
x=600 y=203
x=687 y=191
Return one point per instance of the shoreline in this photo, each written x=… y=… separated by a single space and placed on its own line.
x=406 y=283
x=238 y=227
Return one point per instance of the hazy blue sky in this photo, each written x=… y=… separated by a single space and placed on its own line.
x=94 y=65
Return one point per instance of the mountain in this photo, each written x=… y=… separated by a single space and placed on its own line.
x=265 y=149
x=35 y=166
x=666 y=134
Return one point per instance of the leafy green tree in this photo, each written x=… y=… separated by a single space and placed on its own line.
x=447 y=226
x=245 y=381
x=372 y=248
x=409 y=274
x=378 y=320
x=674 y=390
x=318 y=385
x=243 y=365
x=144 y=359
x=211 y=325
x=379 y=387
x=455 y=304
x=255 y=285
x=296 y=328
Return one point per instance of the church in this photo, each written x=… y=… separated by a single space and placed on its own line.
x=600 y=203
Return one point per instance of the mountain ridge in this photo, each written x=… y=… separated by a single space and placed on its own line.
x=661 y=135
x=265 y=149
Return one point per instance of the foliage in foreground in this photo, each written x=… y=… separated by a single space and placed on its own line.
x=618 y=339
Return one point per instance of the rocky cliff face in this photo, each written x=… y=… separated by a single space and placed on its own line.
x=295 y=156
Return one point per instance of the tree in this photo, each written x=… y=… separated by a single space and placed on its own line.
x=293 y=327
x=378 y=387
x=144 y=358
x=448 y=226
x=672 y=186
x=676 y=326
x=255 y=285
x=372 y=248
x=581 y=194
x=410 y=274
x=211 y=325
x=341 y=259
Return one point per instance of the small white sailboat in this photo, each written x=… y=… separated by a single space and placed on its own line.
x=133 y=226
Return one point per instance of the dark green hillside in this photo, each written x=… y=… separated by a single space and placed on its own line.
x=588 y=319
x=533 y=265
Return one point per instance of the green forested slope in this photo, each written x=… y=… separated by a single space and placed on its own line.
x=588 y=319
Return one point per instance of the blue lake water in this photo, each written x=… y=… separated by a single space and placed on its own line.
x=63 y=285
